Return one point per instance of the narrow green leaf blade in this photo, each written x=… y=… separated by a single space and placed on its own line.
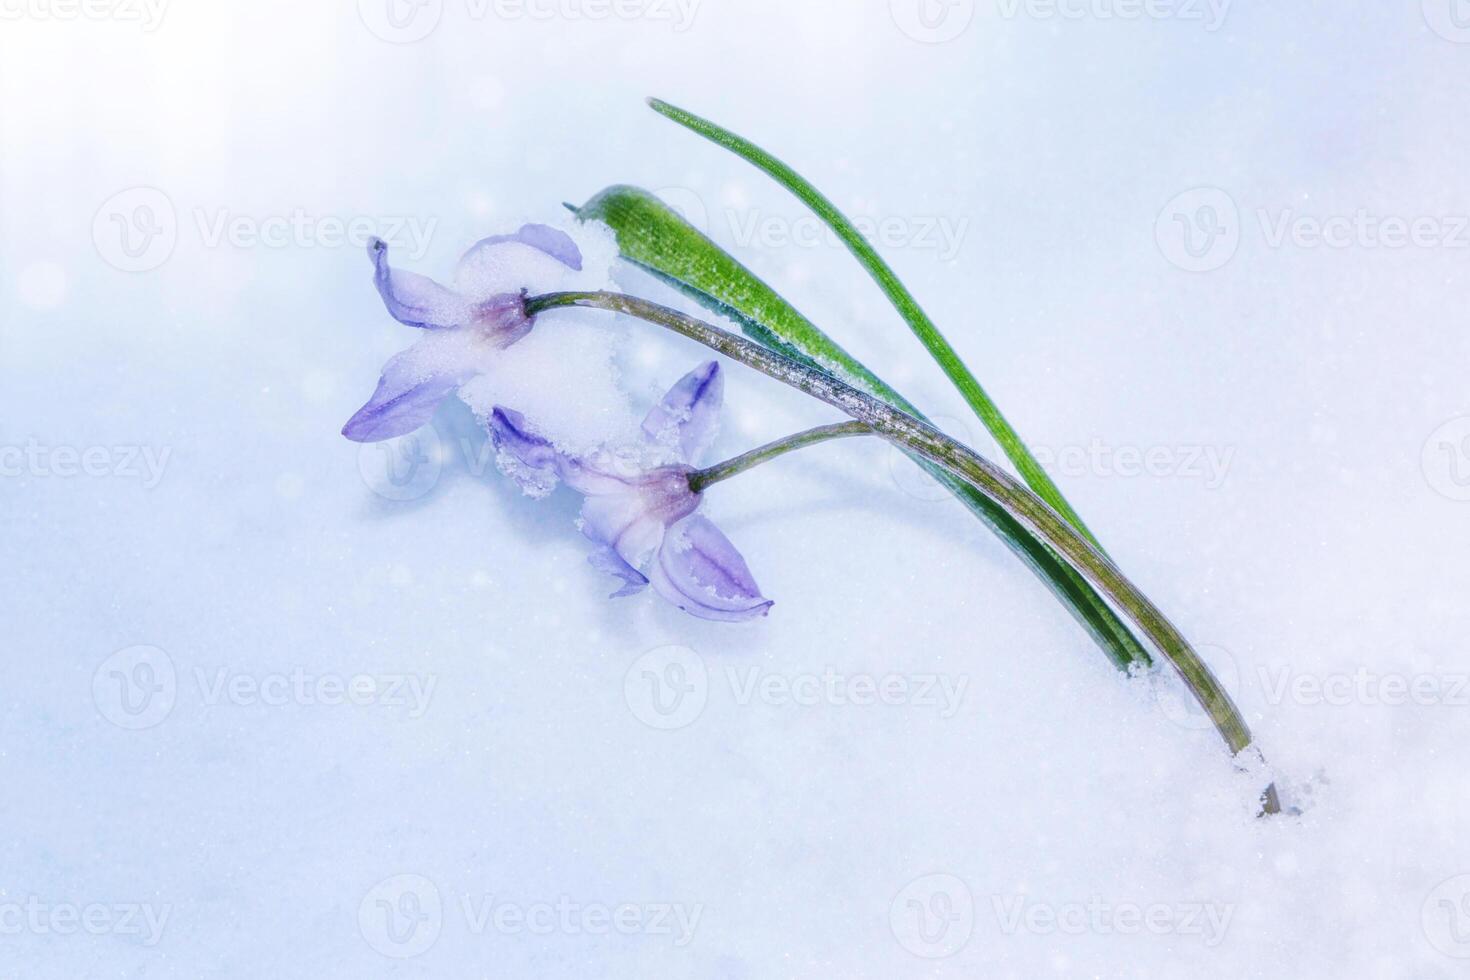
x=923 y=327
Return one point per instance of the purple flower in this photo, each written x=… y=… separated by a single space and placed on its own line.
x=640 y=514
x=464 y=325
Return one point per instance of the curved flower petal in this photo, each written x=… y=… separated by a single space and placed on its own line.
x=553 y=241
x=415 y=300
x=602 y=473
x=411 y=388
x=604 y=559
x=622 y=522
x=522 y=455
x=699 y=570
x=689 y=414
x=536 y=258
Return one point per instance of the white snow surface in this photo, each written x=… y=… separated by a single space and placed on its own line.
x=278 y=705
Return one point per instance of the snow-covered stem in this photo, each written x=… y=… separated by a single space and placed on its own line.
x=985 y=476
x=700 y=479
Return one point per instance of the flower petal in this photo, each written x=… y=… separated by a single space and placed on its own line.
x=699 y=570
x=689 y=415
x=536 y=258
x=522 y=455
x=604 y=559
x=412 y=387
x=622 y=522
x=414 y=299
x=553 y=241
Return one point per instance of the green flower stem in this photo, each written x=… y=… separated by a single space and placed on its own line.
x=923 y=327
x=990 y=479
x=710 y=475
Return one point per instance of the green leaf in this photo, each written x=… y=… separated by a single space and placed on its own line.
x=653 y=236
x=949 y=360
